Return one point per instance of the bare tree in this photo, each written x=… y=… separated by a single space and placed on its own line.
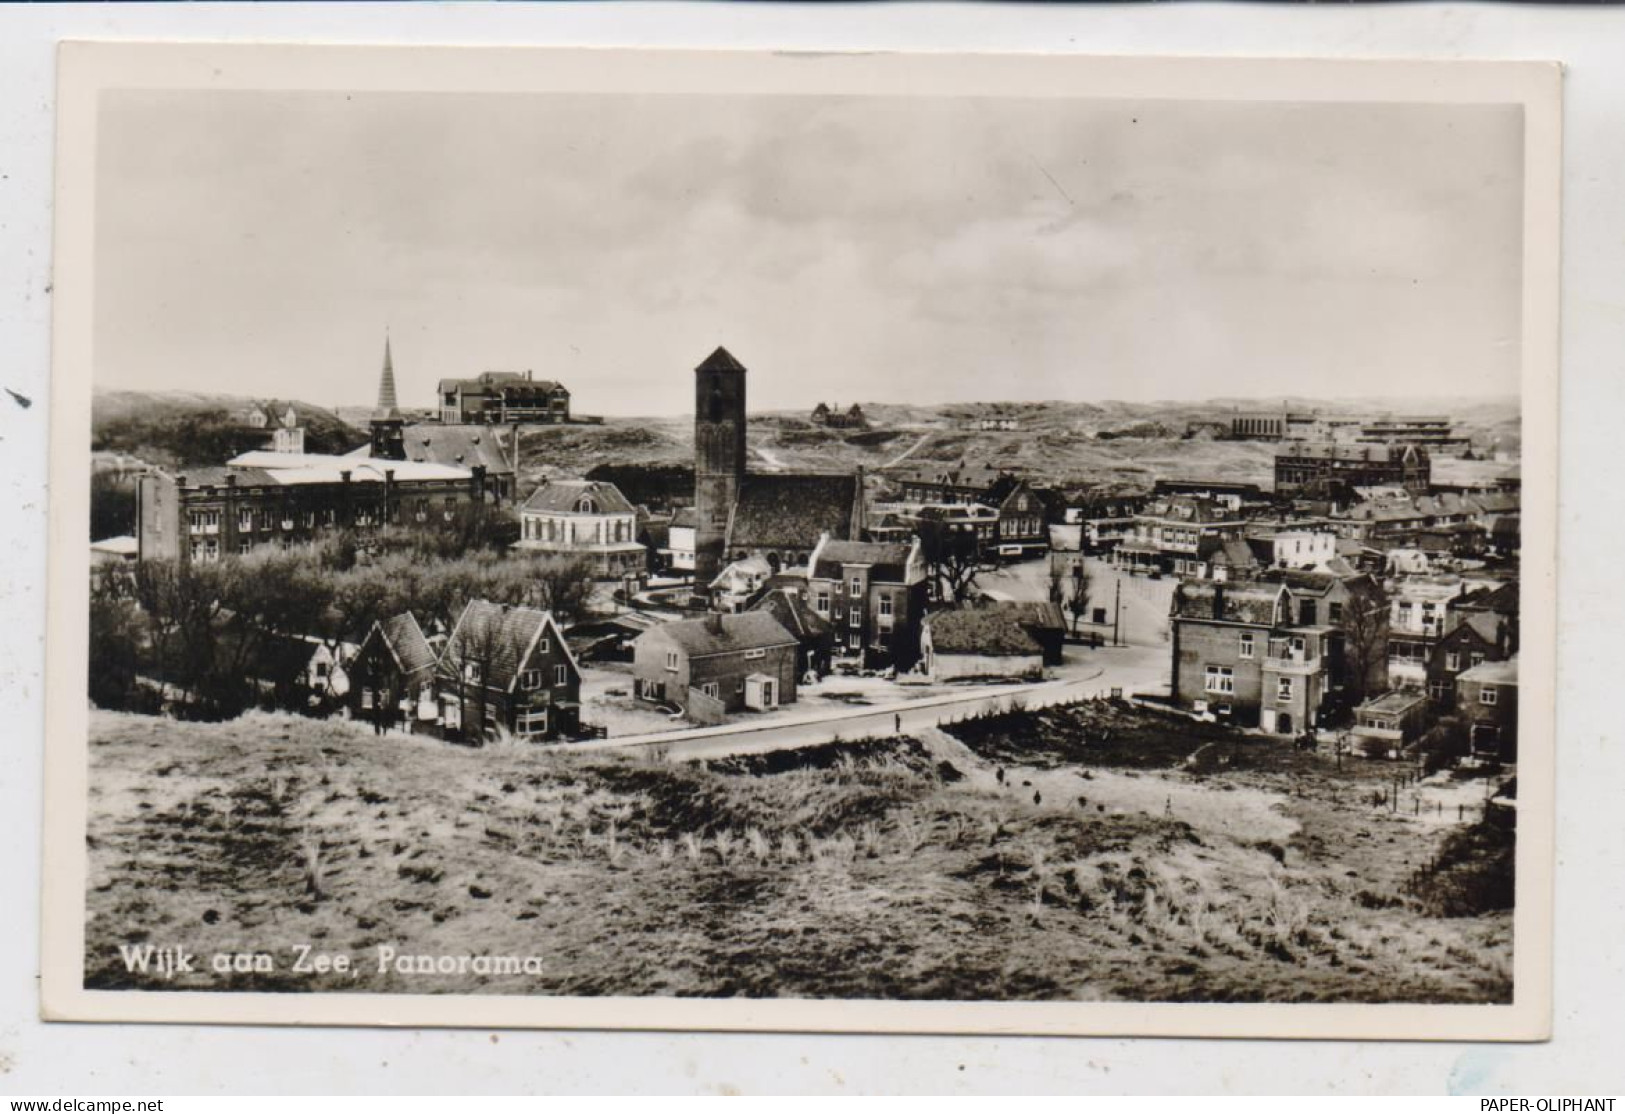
x=953 y=557
x=1365 y=637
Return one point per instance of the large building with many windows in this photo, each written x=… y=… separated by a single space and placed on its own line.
x=873 y=596
x=588 y=519
x=502 y=397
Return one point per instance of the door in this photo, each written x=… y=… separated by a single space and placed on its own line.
x=1283 y=723
x=769 y=692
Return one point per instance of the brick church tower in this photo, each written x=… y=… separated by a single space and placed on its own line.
x=719 y=457
x=388 y=428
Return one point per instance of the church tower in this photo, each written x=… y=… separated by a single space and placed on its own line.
x=388 y=428
x=719 y=457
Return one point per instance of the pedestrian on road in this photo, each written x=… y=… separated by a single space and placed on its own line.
x=999 y=773
x=899 y=718
x=1038 y=798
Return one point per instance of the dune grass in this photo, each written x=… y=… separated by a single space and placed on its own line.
x=864 y=871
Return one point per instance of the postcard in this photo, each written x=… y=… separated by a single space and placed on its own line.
x=737 y=540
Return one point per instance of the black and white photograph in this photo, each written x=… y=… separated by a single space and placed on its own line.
x=746 y=541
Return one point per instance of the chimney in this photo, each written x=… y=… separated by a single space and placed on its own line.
x=713 y=622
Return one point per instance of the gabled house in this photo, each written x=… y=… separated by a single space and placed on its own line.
x=1478 y=637
x=873 y=596
x=813 y=633
x=1022 y=529
x=509 y=669
x=392 y=676
x=716 y=665
x=738 y=583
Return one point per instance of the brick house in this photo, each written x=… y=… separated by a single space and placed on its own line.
x=718 y=664
x=508 y=668
x=816 y=638
x=1478 y=637
x=392 y=676
x=1487 y=699
x=873 y=596
x=1238 y=655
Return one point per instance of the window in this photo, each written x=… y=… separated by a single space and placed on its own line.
x=1334 y=613
x=1283 y=688
x=1452 y=661
x=471 y=672
x=561 y=674
x=531 y=723
x=752 y=655
x=1247 y=644
x=1306 y=612
x=710 y=689
x=530 y=679
x=821 y=603
x=857 y=586
x=1220 y=678
x=366 y=698
x=1487 y=695
x=1477 y=657
x=885 y=607
x=671 y=660
x=245 y=519
x=856 y=618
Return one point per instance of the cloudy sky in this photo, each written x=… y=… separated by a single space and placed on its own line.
x=890 y=249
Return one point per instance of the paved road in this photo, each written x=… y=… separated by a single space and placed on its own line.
x=1123 y=667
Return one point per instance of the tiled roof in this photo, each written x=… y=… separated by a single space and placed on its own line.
x=979 y=477
x=461 y=446
x=990 y=630
x=724 y=634
x=794 y=614
x=404 y=639
x=1234 y=603
x=562 y=496
x=686 y=517
x=886 y=559
x=1502 y=599
x=216 y=475
x=496 y=637
x=791 y=511
x=1238 y=553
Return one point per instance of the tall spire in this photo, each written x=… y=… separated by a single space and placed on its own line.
x=388 y=406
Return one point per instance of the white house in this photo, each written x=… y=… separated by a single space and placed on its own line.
x=584 y=518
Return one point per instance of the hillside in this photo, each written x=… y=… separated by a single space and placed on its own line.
x=179 y=429
x=888 y=869
x=1057 y=441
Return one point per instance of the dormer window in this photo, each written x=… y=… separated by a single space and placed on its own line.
x=585 y=505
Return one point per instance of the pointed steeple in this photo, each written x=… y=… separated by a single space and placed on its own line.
x=388 y=406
